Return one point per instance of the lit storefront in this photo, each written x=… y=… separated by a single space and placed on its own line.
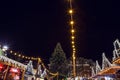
x=109 y=73
x=11 y=69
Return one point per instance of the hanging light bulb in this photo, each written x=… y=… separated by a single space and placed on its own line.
x=73 y=37
x=15 y=53
x=72 y=22
x=72 y=30
x=73 y=42
x=70 y=11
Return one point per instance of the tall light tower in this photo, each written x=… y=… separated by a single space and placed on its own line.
x=71 y=11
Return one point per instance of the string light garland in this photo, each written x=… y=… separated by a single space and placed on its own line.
x=72 y=36
x=23 y=56
x=32 y=58
x=54 y=74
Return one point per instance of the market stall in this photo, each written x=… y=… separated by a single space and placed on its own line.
x=11 y=69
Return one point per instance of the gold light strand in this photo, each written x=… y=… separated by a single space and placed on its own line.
x=22 y=56
x=32 y=58
x=53 y=74
x=72 y=36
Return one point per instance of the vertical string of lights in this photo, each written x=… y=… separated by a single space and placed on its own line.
x=72 y=36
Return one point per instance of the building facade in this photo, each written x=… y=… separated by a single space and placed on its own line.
x=83 y=68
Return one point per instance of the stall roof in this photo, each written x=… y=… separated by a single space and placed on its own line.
x=116 y=61
x=108 y=72
x=9 y=61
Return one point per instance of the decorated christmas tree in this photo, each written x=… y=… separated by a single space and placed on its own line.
x=58 y=61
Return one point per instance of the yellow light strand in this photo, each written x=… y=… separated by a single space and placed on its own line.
x=32 y=58
x=71 y=22
x=72 y=31
x=72 y=36
x=54 y=74
x=22 y=56
x=71 y=11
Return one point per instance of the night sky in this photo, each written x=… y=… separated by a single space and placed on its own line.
x=34 y=27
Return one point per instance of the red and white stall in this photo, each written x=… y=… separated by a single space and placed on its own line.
x=11 y=69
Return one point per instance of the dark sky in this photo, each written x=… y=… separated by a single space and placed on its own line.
x=34 y=27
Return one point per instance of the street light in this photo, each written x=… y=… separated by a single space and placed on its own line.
x=5 y=48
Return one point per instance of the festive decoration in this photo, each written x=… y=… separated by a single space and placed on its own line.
x=23 y=56
x=115 y=55
x=39 y=71
x=12 y=62
x=72 y=36
x=105 y=62
x=32 y=58
x=116 y=52
x=108 y=69
x=44 y=74
x=98 y=68
x=58 y=61
x=116 y=44
x=29 y=69
x=93 y=72
x=11 y=66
